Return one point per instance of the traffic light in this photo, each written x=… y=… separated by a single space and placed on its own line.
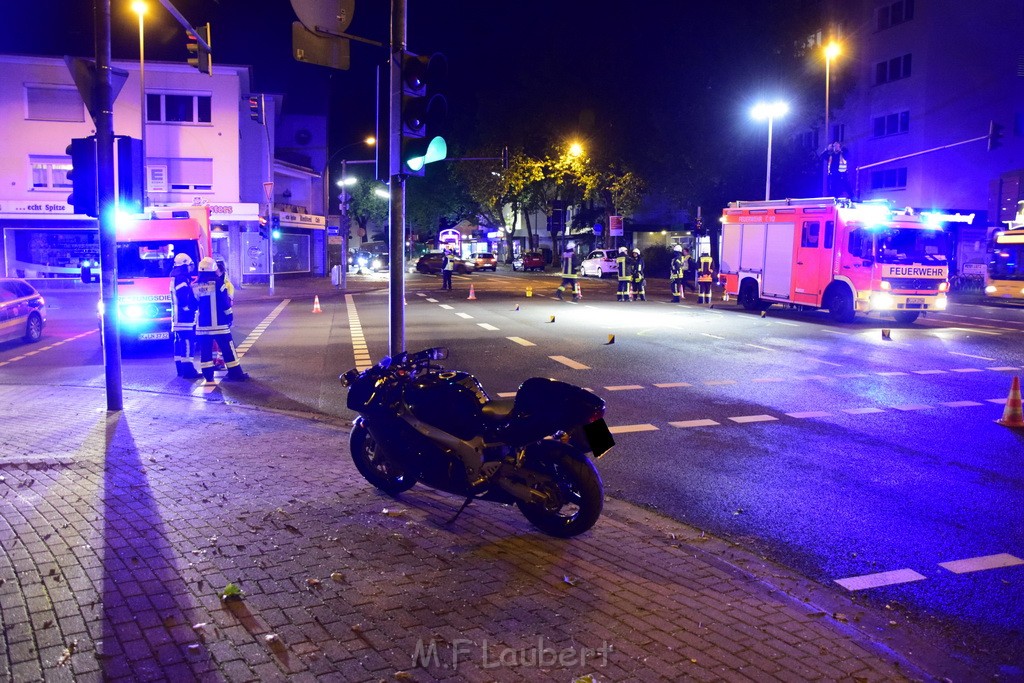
x=200 y=56
x=423 y=111
x=131 y=171
x=995 y=135
x=275 y=226
x=256 y=108
x=84 y=195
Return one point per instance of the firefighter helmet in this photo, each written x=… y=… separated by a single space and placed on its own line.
x=183 y=260
x=678 y=248
x=207 y=265
x=636 y=251
x=623 y=250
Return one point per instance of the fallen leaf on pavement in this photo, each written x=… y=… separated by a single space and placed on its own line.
x=337 y=576
x=571 y=580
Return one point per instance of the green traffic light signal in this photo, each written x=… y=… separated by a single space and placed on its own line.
x=276 y=234
x=423 y=111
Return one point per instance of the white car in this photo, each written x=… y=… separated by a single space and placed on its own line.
x=599 y=262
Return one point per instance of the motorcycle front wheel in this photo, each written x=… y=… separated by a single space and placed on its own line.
x=573 y=487
x=376 y=466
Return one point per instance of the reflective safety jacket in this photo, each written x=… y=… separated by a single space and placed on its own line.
x=215 y=314
x=447 y=263
x=568 y=270
x=676 y=267
x=638 y=269
x=706 y=268
x=622 y=263
x=183 y=301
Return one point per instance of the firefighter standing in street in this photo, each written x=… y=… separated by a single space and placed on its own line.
x=214 y=324
x=704 y=278
x=569 y=276
x=639 y=279
x=183 y=316
x=625 y=274
x=447 y=267
x=677 y=272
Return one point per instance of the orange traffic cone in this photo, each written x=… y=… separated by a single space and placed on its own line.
x=316 y=304
x=577 y=291
x=1012 y=415
x=472 y=294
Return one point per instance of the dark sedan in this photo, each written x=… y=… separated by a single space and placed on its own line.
x=431 y=263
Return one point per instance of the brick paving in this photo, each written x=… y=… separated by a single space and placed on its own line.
x=118 y=532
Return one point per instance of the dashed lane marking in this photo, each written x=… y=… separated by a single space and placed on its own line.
x=521 y=341
x=912 y=406
x=961 y=404
x=744 y=419
x=623 y=429
x=713 y=336
x=672 y=385
x=1004 y=368
x=809 y=413
x=624 y=387
x=695 y=423
x=970 y=355
x=569 y=362
x=48 y=347
x=858 y=583
x=763 y=348
x=862 y=411
x=718 y=382
x=447 y=307
x=977 y=564
x=465 y=316
x=258 y=331
x=433 y=301
x=997 y=401
x=928 y=372
x=768 y=379
x=488 y=326
x=825 y=362
x=507 y=394
x=890 y=374
x=967 y=370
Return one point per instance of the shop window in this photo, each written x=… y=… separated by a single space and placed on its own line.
x=50 y=173
x=179 y=108
x=53 y=103
x=185 y=175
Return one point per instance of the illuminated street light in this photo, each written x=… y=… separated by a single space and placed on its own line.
x=347 y=182
x=575 y=149
x=382 y=193
x=770 y=111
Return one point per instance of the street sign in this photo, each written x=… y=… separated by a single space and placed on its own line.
x=615 y=226
x=268 y=189
x=324 y=15
x=322 y=50
x=83 y=72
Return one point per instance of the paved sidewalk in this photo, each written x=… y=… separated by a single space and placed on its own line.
x=119 y=531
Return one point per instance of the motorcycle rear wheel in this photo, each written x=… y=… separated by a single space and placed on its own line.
x=376 y=466
x=574 y=484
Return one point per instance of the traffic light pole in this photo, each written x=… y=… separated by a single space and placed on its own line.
x=396 y=217
x=104 y=119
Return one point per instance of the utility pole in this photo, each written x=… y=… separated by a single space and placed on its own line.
x=396 y=217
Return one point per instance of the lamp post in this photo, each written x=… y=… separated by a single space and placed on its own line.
x=769 y=110
x=832 y=51
x=139 y=8
x=369 y=141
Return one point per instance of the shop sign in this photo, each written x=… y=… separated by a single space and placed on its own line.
x=226 y=211
x=302 y=220
x=42 y=207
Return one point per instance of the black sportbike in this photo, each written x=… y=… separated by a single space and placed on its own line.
x=421 y=423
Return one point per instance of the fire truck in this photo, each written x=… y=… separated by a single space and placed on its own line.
x=1004 y=277
x=146 y=247
x=834 y=254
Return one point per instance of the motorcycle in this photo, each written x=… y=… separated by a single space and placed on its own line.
x=421 y=423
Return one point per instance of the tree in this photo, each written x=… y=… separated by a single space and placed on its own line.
x=366 y=207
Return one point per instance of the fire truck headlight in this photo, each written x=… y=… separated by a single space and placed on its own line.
x=940 y=303
x=881 y=301
x=991 y=289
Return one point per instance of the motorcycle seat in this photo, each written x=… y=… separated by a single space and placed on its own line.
x=498 y=409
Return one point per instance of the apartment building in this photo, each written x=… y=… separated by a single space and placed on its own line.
x=203 y=147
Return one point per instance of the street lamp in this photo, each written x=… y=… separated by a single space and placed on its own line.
x=139 y=8
x=369 y=141
x=832 y=51
x=575 y=149
x=770 y=111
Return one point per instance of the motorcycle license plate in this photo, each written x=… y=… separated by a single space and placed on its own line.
x=599 y=437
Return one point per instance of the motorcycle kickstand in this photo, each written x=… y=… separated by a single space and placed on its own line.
x=469 y=499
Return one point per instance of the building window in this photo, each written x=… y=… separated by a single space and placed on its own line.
x=891 y=179
x=891 y=124
x=894 y=14
x=807 y=140
x=892 y=70
x=178 y=108
x=53 y=103
x=838 y=132
x=50 y=173
x=185 y=175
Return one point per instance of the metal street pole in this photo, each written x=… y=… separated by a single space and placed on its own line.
x=768 y=176
x=343 y=266
x=824 y=163
x=396 y=216
x=140 y=7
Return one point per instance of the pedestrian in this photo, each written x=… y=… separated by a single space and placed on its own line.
x=676 y=273
x=624 y=272
x=183 y=316
x=689 y=271
x=705 y=277
x=639 y=279
x=837 y=163
x=569 y=275
x=214 y=323
x=222 y=271
x=447 y=267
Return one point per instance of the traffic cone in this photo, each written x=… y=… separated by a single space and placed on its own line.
x=1012 y=414
x=886 y=334
x=516 y=308
x=577 y=291
x=725 y=296
x=472 y=294
x=316 y=304
x=611 y=339
x=552 y=319
x=764 y=313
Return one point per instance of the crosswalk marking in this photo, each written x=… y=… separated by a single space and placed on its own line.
x=569 y=362
x=809 y=413
x=977 y=564
x=623 y=429
x=695 y=423
x=858 y=583
x=521 y=341
x=743 y=419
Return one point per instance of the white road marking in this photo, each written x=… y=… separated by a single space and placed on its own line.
x=743 y=419
x=433 y=301
x=260 y=329
x=718 y=382
x=420 y=294
x=977 y=564
x=845 y=334
x=763 y=348
x=782 y=322
x=853 y=375
x=862 y=411
x=507 y=394
x=809 y=413
x=671 y=385
x=1006 y=368
x=447 y=307
x=488 y=326
x=961 y=404
x=466 y=316
x=857 y=583
x=713 y=336
x=569 y=362
x=768 y=379
x=521 y=341
x=825 y=362
x=890 y=374
x=968 y=369
x=623 y=429
x=624 y=387
x=929 y=372
x=997 y=401
x=695 y=423
x=912 y=406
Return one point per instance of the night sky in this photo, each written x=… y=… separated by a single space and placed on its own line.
x=634 y=80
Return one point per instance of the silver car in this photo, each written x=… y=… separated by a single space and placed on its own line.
x=22 y=311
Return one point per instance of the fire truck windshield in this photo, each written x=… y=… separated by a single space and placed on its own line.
x=909 y=245
x=151 y=259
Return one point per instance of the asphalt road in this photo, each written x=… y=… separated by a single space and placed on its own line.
x=825 y=447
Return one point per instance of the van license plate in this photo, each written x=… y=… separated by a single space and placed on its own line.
x=154 y=335
x=915 y=301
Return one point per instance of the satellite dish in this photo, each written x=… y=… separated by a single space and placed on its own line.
x=332 y=16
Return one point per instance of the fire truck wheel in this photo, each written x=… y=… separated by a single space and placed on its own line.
x=841 y=306
x=905 y=317
x=748 y=296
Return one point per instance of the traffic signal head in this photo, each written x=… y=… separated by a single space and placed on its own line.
x=256 y=108
x=84 y=195
x=130 y=174
x=423 y=111
x=199 y=56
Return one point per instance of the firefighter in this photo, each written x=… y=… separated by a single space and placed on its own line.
x=222 y=271
x=447 y=267
x=183 y=316
x=639 y=281
x=622 y=263
x=677 y=271
x=704 y=278
x=569 y=275
x=214 y=323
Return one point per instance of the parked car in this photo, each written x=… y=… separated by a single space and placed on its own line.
x=485 y=260
x=22 y=311
x=431 y=263
x=598 y=263
x=379 y=263
x=531 y=260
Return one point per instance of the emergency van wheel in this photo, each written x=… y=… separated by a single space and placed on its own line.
x=840 y=306
x=905 y=317
x=748 y=296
